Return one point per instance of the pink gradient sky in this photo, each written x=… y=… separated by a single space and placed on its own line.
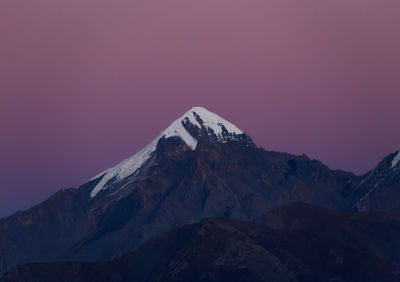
x=86 y=83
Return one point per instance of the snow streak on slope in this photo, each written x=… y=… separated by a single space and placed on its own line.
x=210 y=121
x=126 y=168
x=396 y=159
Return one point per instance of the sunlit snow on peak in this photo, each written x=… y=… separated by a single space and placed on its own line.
x=211 y=120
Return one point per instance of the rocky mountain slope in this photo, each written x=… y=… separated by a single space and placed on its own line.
x=379 y=189
x=298 y=242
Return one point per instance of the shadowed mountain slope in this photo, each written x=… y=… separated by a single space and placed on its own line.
x=222 y=249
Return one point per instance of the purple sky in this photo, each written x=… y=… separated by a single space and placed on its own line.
x=86 y=83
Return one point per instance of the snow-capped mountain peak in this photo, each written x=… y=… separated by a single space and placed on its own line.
x=204 y=121
x=197 y=120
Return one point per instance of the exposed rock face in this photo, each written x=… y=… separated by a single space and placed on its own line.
x=221 y=249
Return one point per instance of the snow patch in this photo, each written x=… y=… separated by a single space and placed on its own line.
x=373 y=189
x=396 y=159
x=177 y=129
x=213 y=121
x=125 y=168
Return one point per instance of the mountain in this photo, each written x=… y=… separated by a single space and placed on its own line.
x=197 y=125
x=290 y=243
x=379 y=189
x=200 y=166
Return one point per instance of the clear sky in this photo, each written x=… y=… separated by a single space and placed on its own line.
x=86 y=83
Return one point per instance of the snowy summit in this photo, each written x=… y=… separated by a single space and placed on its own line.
x=197 y=117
